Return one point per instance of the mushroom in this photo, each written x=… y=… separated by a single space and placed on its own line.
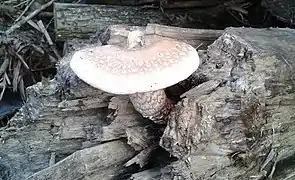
x=142 y=73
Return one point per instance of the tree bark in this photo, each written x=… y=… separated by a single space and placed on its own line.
x=239 y=124
x=83 y=164
x=82 y=20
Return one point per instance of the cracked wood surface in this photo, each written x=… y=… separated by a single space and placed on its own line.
x=235 y=119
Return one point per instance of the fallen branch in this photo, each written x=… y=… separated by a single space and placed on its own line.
x=44 y=31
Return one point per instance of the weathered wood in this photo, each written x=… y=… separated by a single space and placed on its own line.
x=90 y=163
x=201 y=38
x=62 y=116
x=236 y=123
x=81 y=20
x=197 y=37
x=147 y=174
x=244 y=112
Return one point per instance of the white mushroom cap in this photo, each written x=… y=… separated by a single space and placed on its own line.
x=124 y=71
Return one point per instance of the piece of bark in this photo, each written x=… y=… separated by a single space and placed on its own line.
x=147 y=174
x=247 y=118
x=81 y=20
x=199 y=167
x=143 y=157
x=199 y=38
x=196 y=37
x=142 y=137
x=164 y=4
x=90 y=163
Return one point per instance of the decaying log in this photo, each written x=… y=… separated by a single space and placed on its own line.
x=237 y=122
x=89 y=163
x=244 y=112
x=199 y=38
x=163 y=4
x=82 y=20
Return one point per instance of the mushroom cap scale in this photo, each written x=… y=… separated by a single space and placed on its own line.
x=126 y=71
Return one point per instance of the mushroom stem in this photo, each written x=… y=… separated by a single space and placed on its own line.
x=153 y=104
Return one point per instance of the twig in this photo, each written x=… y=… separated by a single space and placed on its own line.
x=22 y=60
x=14 y=53
x=33 y=24
x=16 y=73
x=44 y=31
x=3 y=85
x=25 y=10
x=23 y=21
x=7 y=78
x=3 y=90
x=4 y=66
x=20 y=4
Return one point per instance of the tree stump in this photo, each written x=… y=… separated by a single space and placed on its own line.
x=234 y=118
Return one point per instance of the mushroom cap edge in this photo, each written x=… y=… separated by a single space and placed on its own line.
x=143 y=82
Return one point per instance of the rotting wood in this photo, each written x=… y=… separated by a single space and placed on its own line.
x=246 y=104
x=244 y=114
x=163 y=4
x=90 y=163
x=81 y=20
x=201 y=38
x=196 y=37
x=147 y=174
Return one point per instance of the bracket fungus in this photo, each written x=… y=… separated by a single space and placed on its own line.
x=142 y=73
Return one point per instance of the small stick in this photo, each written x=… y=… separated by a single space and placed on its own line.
x=22 y=60
x=7 y=78
x=3 y=90
x=4 y=66
x=44 y=31
x=25 y=10
x=33 y=24
x=20 y=4
x=30 y=16
x=16 y=73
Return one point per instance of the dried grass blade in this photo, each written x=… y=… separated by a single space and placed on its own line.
x=22 y=60
x=16 y=73
x=25 y=10
x=3 y=85
x=23 y=21
x=6 y=78
x=48 y=38
x=4 y=66
x=33 y=24
x=22 y=88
